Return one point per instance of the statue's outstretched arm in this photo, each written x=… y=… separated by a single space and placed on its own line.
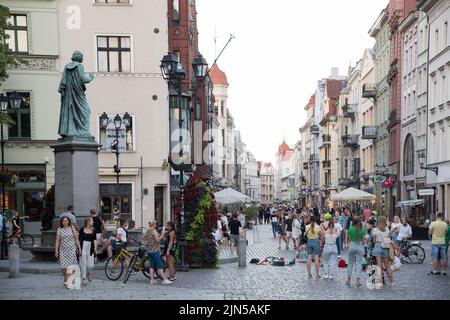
x=84 y=77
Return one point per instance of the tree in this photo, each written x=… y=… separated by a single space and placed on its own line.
x=5 y=58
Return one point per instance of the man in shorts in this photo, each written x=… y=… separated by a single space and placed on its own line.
x=235 y=227
x=438 y=230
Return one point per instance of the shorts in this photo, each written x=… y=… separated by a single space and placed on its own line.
x=313 y=247
x=378 y=251
x=234 y=238
x=438 y=251
x=155 y=260
x=289 y=234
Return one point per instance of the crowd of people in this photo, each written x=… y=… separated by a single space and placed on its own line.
x=321 y=238
x=83 y=246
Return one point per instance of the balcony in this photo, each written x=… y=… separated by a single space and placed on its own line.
x=326 y=138
x=314 y=158
x=349 y=110
x=369 y=132
x=350 y=141
x=314 y=129
x=305 y=165
x=326 y=164
x=369 y=91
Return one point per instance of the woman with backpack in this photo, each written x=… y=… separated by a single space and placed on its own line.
x=313 y=235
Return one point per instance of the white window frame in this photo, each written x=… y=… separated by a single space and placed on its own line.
x=133 y=117
x=96 y=35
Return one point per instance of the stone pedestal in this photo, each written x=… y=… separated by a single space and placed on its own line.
x=76 y=177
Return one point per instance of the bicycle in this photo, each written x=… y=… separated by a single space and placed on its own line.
x=411 y=252
x=114 y=266
x=20 y=238
x=140 y=262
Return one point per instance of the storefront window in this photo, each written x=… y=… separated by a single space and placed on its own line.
x=108 y=196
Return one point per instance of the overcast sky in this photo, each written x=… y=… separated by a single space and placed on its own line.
x=281 y=49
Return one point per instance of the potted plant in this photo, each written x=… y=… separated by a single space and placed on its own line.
x=251 y=214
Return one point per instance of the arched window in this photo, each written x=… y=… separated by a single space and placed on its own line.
x=408 y=156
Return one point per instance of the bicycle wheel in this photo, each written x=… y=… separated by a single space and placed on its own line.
x=26 y=240
x=15 y=240
x=416 y=254
x=146 y=267
x=130 y=268
x=114 y=268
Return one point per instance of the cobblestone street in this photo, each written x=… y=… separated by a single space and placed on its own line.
x=232 y=283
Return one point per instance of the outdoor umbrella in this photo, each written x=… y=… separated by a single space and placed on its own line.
x=230 y=196
x=352 y=194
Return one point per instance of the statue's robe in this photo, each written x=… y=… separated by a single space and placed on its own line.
x=75 y=111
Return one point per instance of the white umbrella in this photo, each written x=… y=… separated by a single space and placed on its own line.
x=230 y=196
x=352 y=194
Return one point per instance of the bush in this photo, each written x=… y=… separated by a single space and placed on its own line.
x=251 y=213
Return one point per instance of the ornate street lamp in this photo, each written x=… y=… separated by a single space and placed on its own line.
x=173 y=72
x=15 y=100
x=118 y=121
x=423 y=160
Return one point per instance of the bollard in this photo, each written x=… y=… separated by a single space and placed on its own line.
x=14 y=261
x=242 y=253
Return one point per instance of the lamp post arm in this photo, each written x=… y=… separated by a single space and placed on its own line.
x=226 y=45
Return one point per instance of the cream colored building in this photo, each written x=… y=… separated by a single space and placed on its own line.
x=267 y=183
x=125 y=58
x=34 y=24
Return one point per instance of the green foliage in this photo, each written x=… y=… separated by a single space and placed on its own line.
x=5 y=59
x=251 y=213
x=195 y=230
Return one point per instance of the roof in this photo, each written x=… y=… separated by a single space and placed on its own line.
x=283 y=148
x=311 y=103
x=334 y=88
x=218 y=76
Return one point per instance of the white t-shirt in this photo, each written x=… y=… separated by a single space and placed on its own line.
x=404 y=232
x=338 y=227
x=122 y=233
x=395 y=226
x=274 y=219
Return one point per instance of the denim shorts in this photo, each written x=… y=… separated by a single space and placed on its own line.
x=438 y=252
x=313 y=247
x=234 y=238
x=378 y=251
x=155 y=260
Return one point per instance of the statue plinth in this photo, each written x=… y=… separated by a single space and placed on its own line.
x=76 y=176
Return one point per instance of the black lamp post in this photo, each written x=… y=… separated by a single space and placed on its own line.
x=118 y=121
x=423 y=160
x=173 y=72
x=15 y=101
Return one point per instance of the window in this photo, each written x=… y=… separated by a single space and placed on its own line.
x=222 y=108
x=223 y=137
x=17 y=32
x=108 y=135
x=445 y=34
x=408 y=156
x=198 y=110
x=436 y=39
x=114 y=54
x=108 y=196
x=176 y=10
x=21 y=116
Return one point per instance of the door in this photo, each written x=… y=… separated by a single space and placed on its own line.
x=159 y=206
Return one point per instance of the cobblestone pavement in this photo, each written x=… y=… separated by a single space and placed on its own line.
x=228 y=282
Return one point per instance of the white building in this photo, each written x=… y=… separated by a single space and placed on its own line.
x=438 y=151
x=267 y=183
x=125 y=59
x=33 y=34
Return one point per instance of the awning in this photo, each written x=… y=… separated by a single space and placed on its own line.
x=352 y=194
x=410 y=203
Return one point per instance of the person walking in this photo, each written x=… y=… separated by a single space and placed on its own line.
x=330 y=251
x=99 y=225
x=438 y=230
x=282 y=231
x=152 y=240
x=88 y=243
x=234 y=226
x=70 y=213
x=447 y=242
x=169 y=249
x=354 y=237
x=339 y=229
x=313 y=235
x=267 y=216
x=66 y=246
x=297 y=231
x=288 y=231
x=274 y=218
x=382 y=239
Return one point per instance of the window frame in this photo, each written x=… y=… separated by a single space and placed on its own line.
x=133 y=133
x=408 y=156
x=19 y=113
x=15 y=29
x=97 y=51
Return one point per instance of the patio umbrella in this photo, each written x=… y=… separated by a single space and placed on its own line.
x=352 y=194
x=230 y=196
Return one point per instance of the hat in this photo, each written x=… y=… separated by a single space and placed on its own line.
x=328 y=216
x=374 y=213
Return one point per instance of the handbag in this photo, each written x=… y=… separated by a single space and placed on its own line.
x=77 y=251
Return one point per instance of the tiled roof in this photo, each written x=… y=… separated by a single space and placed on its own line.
x=218 y=76
x=283 y=148
x=311 y=103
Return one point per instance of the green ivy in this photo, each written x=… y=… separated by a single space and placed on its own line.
x=196 y=226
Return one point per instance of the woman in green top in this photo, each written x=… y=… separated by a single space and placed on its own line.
x=355 y=236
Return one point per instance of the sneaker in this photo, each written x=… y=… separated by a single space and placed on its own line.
x=297 y=255
x=153 y=282
x=393 y=284
x=444 y=273
x=310 y=276
x=434 y=273
x=167 y=282
x=325 y=276
x=378 y=286
x=318 y=276
x=339 y=257
x=330 y=277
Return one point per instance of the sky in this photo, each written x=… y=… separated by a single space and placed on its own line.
x=281 y=49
